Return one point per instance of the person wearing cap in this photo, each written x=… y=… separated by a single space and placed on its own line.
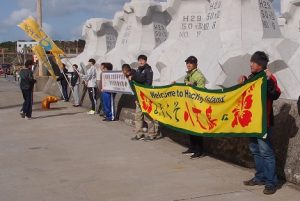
x=261 y=148
x=195 y=78
x=90 y=80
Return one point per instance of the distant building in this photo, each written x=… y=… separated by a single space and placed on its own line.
x=22 y=45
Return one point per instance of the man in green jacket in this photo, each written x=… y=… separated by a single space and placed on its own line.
x=195 y=78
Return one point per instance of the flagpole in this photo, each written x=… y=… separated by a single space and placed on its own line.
x=39 y=15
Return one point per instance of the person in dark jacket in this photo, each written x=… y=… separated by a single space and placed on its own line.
x=26 y=85
x=144 y=75
x=128 y=71
x=64 y=82
x=261 y=148
x=75 y=84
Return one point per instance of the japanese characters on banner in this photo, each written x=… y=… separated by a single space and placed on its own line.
x=239 y=111
x=116 y=82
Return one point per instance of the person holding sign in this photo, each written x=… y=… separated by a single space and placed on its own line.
x=195 y=78
x=108 y=98
x=143 y=75
x=261 y=148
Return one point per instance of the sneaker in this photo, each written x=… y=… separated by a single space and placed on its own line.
x=188 y=151
x=269 y=190
x=91 y=112
x=76 y=105
x=105 y=119
x=197 y=155
x=253 y=182
x=149 y=138
x=27 y=118
x=22 y=114
x=137 y=137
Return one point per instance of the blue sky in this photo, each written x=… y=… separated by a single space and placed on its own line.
x=63 y=19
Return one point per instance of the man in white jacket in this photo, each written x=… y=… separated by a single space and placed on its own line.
x=90 y=80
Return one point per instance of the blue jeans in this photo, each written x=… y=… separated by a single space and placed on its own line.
x=108 y=100
x=264 y=159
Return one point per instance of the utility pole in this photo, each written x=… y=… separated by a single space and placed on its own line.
x=3 y=55
x=40 y=22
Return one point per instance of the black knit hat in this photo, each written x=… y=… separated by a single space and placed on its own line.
x=260 y=58
x=192 y=60
x=92 y=61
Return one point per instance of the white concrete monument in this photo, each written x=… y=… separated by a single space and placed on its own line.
x=222 y=34
x=143 y=28
x=100 y=37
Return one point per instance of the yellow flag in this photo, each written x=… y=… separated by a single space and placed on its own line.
x=58 y=60
x=41 y=55
x=33 y=30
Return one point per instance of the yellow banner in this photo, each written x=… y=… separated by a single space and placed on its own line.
x=238 y=111
x=41 y=55
x=33 y=30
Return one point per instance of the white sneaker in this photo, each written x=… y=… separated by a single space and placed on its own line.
x=27 y=118
x=91 y=112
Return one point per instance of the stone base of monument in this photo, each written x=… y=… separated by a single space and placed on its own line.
x=41 y=81
x=286 y=135
x=286 y=141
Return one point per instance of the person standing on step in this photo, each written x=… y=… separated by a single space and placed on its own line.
x=90 y=80
x=194 y=77
x=75 y=80
x=261 y=148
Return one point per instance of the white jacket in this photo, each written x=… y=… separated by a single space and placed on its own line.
x=90 y=77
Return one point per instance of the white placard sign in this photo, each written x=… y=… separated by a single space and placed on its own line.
x=116 y=82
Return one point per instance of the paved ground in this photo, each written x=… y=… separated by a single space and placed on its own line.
x=65 y=155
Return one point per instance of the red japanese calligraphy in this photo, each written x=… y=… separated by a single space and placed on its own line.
x=207 y=124
x=242 y=113
x=187 y=114
x=146 y=103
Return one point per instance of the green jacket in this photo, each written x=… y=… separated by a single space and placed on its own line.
x=27 y=80
x=196 y=77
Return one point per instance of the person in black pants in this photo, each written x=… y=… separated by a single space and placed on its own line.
x=64 y=83
x=26 y=85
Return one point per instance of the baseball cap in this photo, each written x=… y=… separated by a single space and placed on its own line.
x=192 y=60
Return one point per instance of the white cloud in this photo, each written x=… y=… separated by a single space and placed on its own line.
x=14 y=19
x=66 y=7
x=17 y=16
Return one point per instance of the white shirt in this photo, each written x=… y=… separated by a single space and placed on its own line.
x=90 y=77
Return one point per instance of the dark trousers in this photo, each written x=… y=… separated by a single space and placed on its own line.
x=65 y=91
x=93 y=96
x=27 y=105
x=100 y=109
x=196 y=143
